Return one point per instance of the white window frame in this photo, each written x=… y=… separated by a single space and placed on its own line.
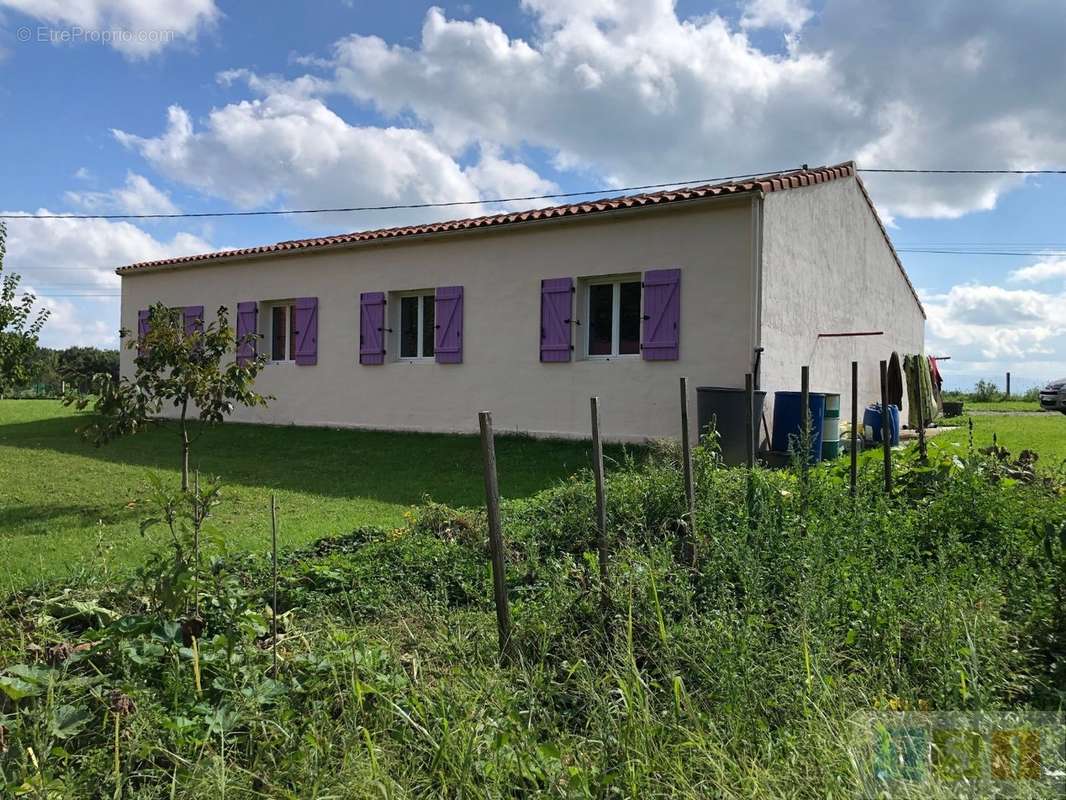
x=290 y=317
x=424 y=296
x=616 y=316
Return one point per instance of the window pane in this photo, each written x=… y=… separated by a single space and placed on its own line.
x=408 y=327
x=601 y=307
x=428 y=331
x=629 y=318
x=277 y=327
x=292 y=333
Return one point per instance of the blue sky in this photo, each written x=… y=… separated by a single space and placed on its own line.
x=196 y=105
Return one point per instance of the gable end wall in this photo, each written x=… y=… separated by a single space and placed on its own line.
x=828 y=269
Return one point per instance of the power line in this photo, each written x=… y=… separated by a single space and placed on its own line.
x=524 y=198
x=40 y=295
x=1050 y=245
x=967 y=171
x=395 y=206
x=1047 y=253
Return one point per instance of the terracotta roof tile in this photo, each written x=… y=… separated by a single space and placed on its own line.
x=767 y=183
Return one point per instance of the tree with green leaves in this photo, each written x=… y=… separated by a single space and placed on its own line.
x=177 y=368
x=78 y=366
x=19 y=328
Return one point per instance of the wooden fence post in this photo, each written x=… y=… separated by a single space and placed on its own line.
x=921 y=409
x=854 y=425
x=690 y=488
x=886 y=428
x=1008 y=387
x=274 y=588
x=196 y=523
x=492 y=505
x=601 y=509
x=805 y=418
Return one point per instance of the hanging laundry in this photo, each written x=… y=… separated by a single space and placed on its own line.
x=916 y=368
x=894 y=382
x=938 y=385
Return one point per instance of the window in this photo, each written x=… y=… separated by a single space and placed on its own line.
x=282 y=331
x=613 y=314
x=417 y=329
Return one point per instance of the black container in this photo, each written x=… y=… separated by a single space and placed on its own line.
x=725 y=408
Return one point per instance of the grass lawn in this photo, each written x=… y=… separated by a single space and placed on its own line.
x=1003 y=405
x=65 y=505
x=1042 y=433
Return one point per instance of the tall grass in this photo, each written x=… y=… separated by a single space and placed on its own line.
x=740 y=678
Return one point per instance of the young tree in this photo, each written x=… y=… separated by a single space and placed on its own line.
x=18 y=334
x=181 y=369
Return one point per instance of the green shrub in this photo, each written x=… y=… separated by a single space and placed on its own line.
x=739 y=678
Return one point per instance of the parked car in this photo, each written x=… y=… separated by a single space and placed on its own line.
x=1053 y=396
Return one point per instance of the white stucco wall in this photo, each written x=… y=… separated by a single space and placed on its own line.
x=500 y=271
x=827 y=269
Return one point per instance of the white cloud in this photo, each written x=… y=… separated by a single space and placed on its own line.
x=1044 y=270
x=290 y=149
x=627 y=90
x=85 y=251
x=137 y=196
x=494 y=176
x=136 y=28
x=981 y=323
x=78 y=324
x=624 y=91
x=69 y=265
x=788 y=14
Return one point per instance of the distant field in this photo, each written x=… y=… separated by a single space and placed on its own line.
x=1043 y=433
x=1003 y=405
x=62 y=500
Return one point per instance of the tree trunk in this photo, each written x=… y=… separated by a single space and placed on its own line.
x=184 y=449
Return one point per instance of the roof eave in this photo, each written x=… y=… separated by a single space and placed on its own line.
x=240 y=257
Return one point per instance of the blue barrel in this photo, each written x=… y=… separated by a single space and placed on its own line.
x=788 y=422
x=871 y=419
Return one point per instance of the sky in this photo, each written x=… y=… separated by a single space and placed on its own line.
x=161 y=106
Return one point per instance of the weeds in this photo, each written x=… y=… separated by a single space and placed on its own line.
x=740 y=679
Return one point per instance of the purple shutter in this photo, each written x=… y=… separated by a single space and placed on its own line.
x=305 y=329
x=142 y=328
x=662 y=315
x=555 y=325
x=372 y=328
x=194 y=319
x=448 y=316
x=247 y=326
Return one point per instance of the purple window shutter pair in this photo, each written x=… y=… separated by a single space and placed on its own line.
x=194 y=319
x=247 y=326
x=662 y=315
x=555 y=320
x=372 y=328
x=448 y=315
x=305 y=328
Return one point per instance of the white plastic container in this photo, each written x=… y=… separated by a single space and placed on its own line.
x=831 y=427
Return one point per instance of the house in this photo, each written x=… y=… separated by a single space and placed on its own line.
x=530 y=313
